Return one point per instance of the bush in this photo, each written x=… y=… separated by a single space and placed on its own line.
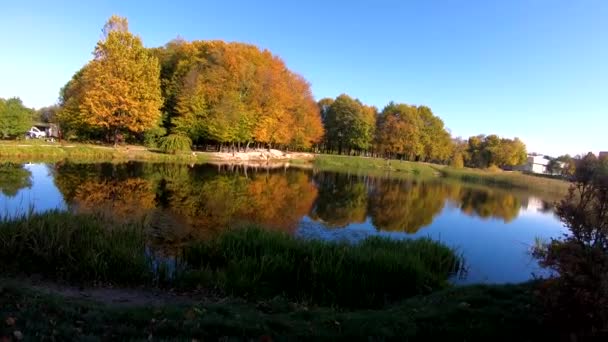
x=153 y=136
x=457 y=161
x=174 y=143
x=577 y=299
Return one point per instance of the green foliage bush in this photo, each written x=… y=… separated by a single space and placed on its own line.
x=577 y=299
x=174 y=143
x=152 y=137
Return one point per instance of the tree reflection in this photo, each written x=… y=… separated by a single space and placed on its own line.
x=181 y=202
x=342 y=200
x=14 y=177
x=486 y=204
x=399 y=205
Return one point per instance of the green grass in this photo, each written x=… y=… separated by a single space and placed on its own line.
x=74 y=248
x=372 y=166
x=552 y=187
x=260 y=263
x=490 y=312
x=248 y=262
x=34 y=150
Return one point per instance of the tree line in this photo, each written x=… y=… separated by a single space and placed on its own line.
x=235 y=94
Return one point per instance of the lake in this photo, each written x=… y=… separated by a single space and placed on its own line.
x=492 y=228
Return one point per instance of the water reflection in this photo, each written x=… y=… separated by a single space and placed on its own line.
x=14 y=177
x=206 y=198
x=180 y=203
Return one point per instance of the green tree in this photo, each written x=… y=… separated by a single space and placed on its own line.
x=568 y=166
x=15 y=118
x=121 y=85
x=13 y=178
x=48 y=114
x=349 y=124
x=484 y=151
x=435 y=139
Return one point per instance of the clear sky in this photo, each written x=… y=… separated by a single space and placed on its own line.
x=535 y=69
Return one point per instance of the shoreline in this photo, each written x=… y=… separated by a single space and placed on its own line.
x=17 y=152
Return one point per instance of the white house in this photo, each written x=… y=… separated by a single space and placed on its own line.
x=536 y=164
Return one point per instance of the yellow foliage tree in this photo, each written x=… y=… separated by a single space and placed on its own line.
x=121 y=85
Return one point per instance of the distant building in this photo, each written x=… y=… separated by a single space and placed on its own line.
x=603 y=155
x=536 y=164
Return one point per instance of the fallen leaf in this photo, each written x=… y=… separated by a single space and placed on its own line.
x=10 y=321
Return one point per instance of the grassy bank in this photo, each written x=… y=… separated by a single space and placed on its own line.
x=553 y=188
x=379 y=166
x=250 y=262
x=39 y=151
x=496 y=312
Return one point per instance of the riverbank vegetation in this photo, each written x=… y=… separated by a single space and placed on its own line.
x=499 y=312
x=578 y=297
x=41 y=151
x=247 y=262
x=554 y=188
x=262 y=284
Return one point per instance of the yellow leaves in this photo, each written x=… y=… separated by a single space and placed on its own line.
x=120 y=88
x=249 y=95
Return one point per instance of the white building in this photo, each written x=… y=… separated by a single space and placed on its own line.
x=536 y=164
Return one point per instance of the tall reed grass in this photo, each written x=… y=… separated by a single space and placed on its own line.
x=247 y=262
x=378 y=270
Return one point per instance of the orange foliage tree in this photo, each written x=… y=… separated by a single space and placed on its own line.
x=119 y=90
x=235 y=93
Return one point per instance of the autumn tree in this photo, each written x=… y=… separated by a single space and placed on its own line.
x=15 y=118
x=119 y=90
x=435 y=139
x=484 y=151
x=398 y=132
x=234 y=93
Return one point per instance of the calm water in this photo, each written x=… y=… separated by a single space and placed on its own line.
x=492 y=228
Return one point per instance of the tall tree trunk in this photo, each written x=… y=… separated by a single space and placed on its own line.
x=115 y=137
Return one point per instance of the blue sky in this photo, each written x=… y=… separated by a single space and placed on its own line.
x=535 y=69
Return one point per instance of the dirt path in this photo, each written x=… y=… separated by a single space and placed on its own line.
x=115 y=296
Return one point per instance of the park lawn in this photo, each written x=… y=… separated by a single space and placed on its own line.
x=506 y=312
x=41 y=151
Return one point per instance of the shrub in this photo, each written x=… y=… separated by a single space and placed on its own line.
x=577 y=299
x=153 y=136
x=493 y=168
x=457 y=161
x=174 y=143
